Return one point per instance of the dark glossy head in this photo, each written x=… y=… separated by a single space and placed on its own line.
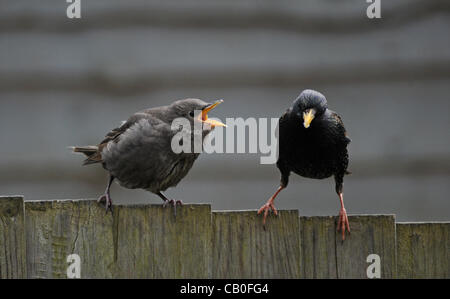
x=309 y=105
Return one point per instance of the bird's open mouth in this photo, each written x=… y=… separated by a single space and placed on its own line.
x=203 y=117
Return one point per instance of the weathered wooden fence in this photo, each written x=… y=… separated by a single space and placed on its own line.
x=148 y=241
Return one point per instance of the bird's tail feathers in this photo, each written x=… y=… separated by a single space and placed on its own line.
x=90 y=151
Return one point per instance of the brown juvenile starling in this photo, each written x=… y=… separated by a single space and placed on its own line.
x=139 y=154
x=313 y=144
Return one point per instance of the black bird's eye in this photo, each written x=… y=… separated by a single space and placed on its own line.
x=191 y=113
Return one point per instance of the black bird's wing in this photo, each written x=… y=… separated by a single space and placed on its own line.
x=340 y=125
x=285 y=148
x=283 y=119
x=283 y=131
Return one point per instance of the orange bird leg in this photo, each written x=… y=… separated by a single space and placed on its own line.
x=269 y=205
x=343 y=223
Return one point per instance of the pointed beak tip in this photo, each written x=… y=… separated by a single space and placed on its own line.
x=308 y=117
x=204 y=115
x=217 y=103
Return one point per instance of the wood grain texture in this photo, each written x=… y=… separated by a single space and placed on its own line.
x=154 y=243
x=243 y=249
x=56 y=229
x=318 y=247
x=149 y=241
x=423 y=250
x=370 y=234
x=12 y=238
x=325 y=255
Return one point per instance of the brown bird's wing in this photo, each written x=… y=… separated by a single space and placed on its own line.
x=113 y=136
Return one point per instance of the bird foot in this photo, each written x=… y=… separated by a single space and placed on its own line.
x=105 y=198
x=343 y=223
x=173 y=203
x=169 y=202
x=266 y=208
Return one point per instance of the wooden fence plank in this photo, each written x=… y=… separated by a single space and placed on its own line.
x=12 y=238
x=56 y=229
x=374 y=234
x=423 y=250
x=243 y=249
x=325 y=255
x=154 y=243
x=317 y=237
x=149 y=241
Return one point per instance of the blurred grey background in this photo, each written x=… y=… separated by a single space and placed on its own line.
x=68 y=82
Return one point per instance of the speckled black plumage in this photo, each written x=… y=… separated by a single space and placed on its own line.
x=317 y=152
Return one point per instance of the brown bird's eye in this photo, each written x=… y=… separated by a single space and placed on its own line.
x=191 y=113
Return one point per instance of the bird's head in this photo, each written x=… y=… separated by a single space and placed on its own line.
x=196 y=110
x=309 y=105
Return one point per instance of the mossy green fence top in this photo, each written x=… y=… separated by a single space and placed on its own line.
x=149 y=241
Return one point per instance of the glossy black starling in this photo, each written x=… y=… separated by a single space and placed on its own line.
x=313 y=144
x=139 y=153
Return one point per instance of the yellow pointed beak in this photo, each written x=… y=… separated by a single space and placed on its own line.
x=308 y=117
x=203 y=117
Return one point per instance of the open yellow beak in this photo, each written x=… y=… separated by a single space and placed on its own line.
x=203 y=117
x=308 y=117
